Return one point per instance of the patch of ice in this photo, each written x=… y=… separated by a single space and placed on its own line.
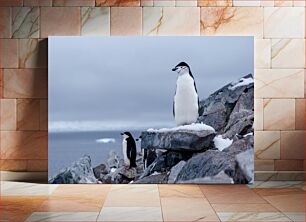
x=221 y=143
x=106 y=140
x=155 y=173
x=192 y=127
x=113 y=170
x=242 y=82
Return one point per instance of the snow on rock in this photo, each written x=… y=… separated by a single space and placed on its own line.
x=191 y=127
x=221 y=143
x=241 y=82
x=106 y=140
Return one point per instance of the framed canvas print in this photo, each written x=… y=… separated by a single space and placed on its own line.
x=151 y=110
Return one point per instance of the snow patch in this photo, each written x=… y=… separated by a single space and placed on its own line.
x=155 y=173
x=242 y=82
x=221 y=143
x=248 y=134
x=191 y=127
x=106 y=140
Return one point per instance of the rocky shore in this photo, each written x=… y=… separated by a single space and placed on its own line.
x=216 y=149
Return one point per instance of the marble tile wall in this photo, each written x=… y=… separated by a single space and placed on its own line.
x=278 y=27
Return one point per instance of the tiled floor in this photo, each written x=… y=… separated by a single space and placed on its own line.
x=263 y=201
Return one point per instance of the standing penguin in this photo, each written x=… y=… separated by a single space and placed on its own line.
x=129 y=149
x=186 y=99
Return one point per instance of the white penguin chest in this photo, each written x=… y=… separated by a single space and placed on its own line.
x=124 y=152
x=185 y=101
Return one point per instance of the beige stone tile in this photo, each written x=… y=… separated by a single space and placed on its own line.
x=73 y=2
x=33 y=53
x=284 y=3
x=295 y=216
x=5 y=22
x=299 y=3
x=1 y=83
x=300 y=114
x=187 y=191
x=118 y=3
x=25 y=83
x=288 y=53
x=267 y=3
x=22 y=144
x=253 y=216
x=63 y=216
x=279 y=83
x=219 y=3
x=292 y=144
x=279 y=176
x=289 y=165
x=37 y=165
x=133 y=196
x=258 y=112
x=126 y=21
x=285 y=200
x=263 y=207
x=232 y=21
x=186 y=3
x=51 y=17
x=230 y=194
x=91 y=191
x=278 y=22
x=95 y=21
x=43 y=114
x=171 y=21
x=27 y=114
x=37 y=2
x=146 y=2
x=163 y=3
x=246 y=3
x=262 y=53
x=130 y=214
x=264 y=165
x=267 y=145
x=13 y=165
x=25 y=22
x=71 y=204
x=5 y=3
x=8 y=114
x=187 y=209
x=8 y=53
x=18 y=208
x=279 y=114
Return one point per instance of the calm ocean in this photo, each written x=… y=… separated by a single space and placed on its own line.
x=67 y=147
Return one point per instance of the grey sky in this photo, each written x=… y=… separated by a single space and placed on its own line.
x=122 y=79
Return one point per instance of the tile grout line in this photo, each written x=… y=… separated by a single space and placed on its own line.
x=161 y=209
x=209 y=202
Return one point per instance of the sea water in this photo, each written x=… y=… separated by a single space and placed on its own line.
x=66 y=147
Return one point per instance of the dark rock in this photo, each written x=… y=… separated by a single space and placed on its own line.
x=245 y=164
x=159 y=178
x=129 y=173
x=79 y=172
x=240 y=123
x=220 y=178
x=212 y=162
x=186 y=140
x=165 y=162
x=175 y=171
x=216 y=109
x=100 y=171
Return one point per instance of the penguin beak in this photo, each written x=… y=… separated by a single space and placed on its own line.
x=121 y=134
x=174 y=69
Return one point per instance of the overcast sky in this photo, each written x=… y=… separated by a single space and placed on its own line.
x=129 y=79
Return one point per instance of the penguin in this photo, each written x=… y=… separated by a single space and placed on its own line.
x=186 y=99
x=129 y=149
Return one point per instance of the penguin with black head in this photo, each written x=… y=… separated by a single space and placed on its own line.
x=129 y=149
x=186 y=99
